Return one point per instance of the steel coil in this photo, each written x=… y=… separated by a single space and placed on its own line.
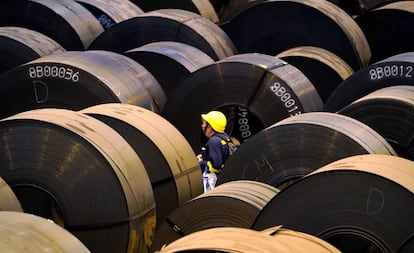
x=244 y=198
x=168 y=158
x=76 y=80
x=170 y=62
x=253 y=90
x=271 y=27
x=8 y=200
x=361 y=203
x=294 y=147
x=67 y=22
x=323 y=68
x=19 y=45
x=390 y=112
x=79 y=172
x=109 y=13
x=23 y=232
x=167 y=25
x=395 y=70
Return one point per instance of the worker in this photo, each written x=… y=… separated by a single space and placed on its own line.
x=216 y=150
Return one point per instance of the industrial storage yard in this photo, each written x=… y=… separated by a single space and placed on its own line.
x=100 y=125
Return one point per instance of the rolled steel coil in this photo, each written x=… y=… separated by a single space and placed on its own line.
x=168 y=158
x=242 y=240
x=67 y=22
x=111 y=12
x=244 y=198
x=202 y=7
x=361 y=203
x=8 y=200
x=167 y=25
x=395 y=70
x=170 y=62
x=386 y=28
x=23 y=232
x=323 y=68
x=294 y=147
x=79 y=79
x=19 y=45
x=390 y=112
x=79 y=172
x=253 y=90
x=271 y=27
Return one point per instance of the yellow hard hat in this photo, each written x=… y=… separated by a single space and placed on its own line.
x=217 y=120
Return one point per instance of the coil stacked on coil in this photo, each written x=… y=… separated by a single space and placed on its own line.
x=79 y=172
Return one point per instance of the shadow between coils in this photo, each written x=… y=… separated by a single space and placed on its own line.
x=296 y=146
x=244 y=198
x=76 y=80
x=167 y=157
x=361 y=203
x=390 y=112
x=253 y=90
x=79 y=172
x=166 y=25
x=67 y=22
x=19 y=45
x=395 y=70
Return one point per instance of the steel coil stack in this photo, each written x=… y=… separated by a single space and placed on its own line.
x=100 y=125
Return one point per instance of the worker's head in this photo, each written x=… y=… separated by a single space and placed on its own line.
x=216 y=120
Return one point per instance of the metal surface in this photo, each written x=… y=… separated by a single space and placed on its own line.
x=76 y=80
x=244 y=198
x=290 y=149
x=67 y=22
x=323 y=68
x=79 y=172
x=168 y=158
x=170 y=62
x=19 y=45
x=167 y=25
x=109 y=13
x=390 y=112
x=8 y=200
x=273 y=26
x=386 y=29
x=360 y=203
x=395 y=70
x=202 y=7
x=23 y=232
x=253 y=90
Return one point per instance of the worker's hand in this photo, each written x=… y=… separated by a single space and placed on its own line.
x=199 y=158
